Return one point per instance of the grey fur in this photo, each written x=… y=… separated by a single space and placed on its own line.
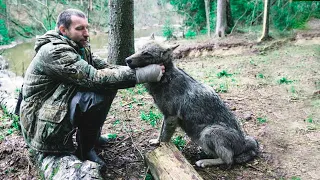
x=196 y=108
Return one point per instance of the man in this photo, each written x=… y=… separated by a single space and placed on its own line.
x=66 y=89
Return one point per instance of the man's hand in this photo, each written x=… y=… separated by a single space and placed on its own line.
x=150 y=73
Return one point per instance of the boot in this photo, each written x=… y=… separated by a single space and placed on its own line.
x=86 y=141
x=102 y=141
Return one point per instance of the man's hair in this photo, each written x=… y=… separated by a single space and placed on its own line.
x=64 y=17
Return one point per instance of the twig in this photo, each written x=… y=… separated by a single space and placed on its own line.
x=29 y=162
x=134 y=144
x=250 y=166
x=127 y=103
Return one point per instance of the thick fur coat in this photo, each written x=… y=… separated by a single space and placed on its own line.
x=196 y=108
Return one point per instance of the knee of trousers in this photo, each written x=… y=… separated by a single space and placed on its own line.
x=89 y=108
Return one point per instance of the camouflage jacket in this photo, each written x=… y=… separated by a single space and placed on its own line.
x=57 y=71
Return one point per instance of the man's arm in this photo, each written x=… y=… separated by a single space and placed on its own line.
x=64 y=64
x=100 y=63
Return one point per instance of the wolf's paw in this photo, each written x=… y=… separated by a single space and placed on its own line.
x=201 y=163
x=209 y=162
x=154 y=142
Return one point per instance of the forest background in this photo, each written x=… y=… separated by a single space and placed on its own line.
x=20 y=19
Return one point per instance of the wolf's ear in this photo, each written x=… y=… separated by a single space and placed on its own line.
x=152 y=37
x=172 y=48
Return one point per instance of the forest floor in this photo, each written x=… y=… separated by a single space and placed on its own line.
x=272 y=87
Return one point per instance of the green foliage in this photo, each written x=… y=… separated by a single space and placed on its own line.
x=63 y=2
x=4 y=34
x=116 y=122
x=193 y=12
x=261 y=120
x=295 y=178
x=179 y=142
x=260 y=76
x=139 y=89
x=148 y=177
x=283 y=15
x=151 y=117
x=48 y=23
x=15 y=126
x=190 y=34
x=223 y=88
x=284 y=80
x=167 y=30
x=54 y=172
x=223 y=73
x=309 y=120
x=3 y=7
x=112 y=136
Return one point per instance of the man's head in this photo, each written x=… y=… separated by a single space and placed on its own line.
x=73 y=24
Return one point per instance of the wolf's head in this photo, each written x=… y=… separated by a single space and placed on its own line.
x=151 y=53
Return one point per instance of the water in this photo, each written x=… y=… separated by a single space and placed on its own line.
x=20 y=56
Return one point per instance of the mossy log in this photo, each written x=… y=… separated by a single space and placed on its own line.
x=66 y=167
x=167 y=163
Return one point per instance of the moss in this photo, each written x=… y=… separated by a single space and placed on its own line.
x=54 y=172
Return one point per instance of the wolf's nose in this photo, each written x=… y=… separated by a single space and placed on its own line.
x=129 y=61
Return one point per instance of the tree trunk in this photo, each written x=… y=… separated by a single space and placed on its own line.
x=90 y=8
x=230 y=22
x=167 y=162
x=221 y=24
x=207 y=7
x=265 y=31
x=121 y=31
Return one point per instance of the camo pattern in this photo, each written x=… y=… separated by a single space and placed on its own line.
x=59 y=69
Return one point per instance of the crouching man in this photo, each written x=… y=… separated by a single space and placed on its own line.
x=67 y=89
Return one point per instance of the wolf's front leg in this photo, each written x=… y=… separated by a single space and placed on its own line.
x=168 y=128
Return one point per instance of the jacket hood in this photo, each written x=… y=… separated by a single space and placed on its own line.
x=54 y=37
x=50 y=36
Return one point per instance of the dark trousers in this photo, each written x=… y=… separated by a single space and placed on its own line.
x=90 y=109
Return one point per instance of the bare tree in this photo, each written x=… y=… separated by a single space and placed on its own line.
x=90 y=7
x=121 y=31
x=265 y=31
x=221 y=24
x=207 y=7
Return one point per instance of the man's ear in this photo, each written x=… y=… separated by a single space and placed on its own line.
x=62 y=30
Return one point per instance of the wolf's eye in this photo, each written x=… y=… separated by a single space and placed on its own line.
x=146 y=53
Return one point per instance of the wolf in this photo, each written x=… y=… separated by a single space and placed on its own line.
x=196 y=108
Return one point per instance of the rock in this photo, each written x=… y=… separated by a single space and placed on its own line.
x=3 y=63
x=67 y=167
x=247 y=116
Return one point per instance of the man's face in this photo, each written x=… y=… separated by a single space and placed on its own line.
x=78 y=30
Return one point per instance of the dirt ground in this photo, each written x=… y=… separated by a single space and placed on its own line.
x=274 y=90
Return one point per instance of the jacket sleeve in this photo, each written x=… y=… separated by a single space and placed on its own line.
x=63 y=63
x=100 y=63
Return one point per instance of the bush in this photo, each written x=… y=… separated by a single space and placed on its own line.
x=167 y=30
x=4 y=35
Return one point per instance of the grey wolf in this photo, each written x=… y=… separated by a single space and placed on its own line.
x=196 y=108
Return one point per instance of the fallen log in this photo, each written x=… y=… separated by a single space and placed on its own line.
x=167 y=163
